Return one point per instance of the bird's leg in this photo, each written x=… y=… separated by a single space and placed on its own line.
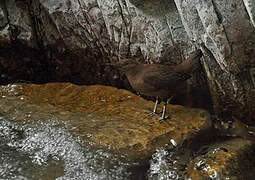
x=155 y=108
x=163 y=117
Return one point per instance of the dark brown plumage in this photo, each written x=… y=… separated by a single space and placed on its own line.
x=160 y=81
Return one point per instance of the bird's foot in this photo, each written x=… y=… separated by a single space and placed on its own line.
x=152 y=114
x=161 y=119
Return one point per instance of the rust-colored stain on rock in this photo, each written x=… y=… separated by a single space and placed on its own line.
x=114 y=118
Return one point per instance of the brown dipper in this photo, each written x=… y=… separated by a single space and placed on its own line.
x=156 y=80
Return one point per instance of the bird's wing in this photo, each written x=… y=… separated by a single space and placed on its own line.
x=159 y=79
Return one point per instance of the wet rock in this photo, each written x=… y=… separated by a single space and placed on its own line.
x=231 y=159
x=104 y=116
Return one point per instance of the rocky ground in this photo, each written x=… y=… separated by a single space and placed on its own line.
x=118 y=120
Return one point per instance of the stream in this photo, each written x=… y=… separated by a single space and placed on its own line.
x=49 y=151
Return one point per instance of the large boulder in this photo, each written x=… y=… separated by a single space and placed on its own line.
x=104 y=116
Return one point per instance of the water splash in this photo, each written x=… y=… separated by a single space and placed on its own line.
x=47 y=146
x=161 y=166
x=212 y=173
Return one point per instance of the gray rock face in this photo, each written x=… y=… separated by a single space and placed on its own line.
x=113 y=28
x=227 y=31
x=202 y=25
x=250 y=8
x=4 y=34
x=16 y=23
x=151 y=31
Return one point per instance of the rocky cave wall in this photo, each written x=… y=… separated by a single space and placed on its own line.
x=71 y=40
x=225 y=32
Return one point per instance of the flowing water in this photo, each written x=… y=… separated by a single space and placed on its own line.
x=49 y=151
x=162 y=166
